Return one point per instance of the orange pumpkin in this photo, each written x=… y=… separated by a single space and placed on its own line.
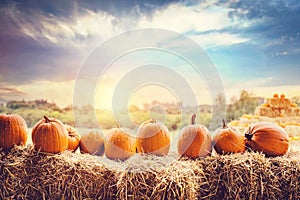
x=119 y=144
x=49 y=135
x=194 y=140
x=294 y=105
x=153 y=137
x=282 y=96
x=73 y=138
x=228 y=140
x=268 y=138
x=13 y=131
x=92 y=142
x=275 y=96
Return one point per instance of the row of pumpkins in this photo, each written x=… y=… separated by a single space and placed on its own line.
x=52 y=136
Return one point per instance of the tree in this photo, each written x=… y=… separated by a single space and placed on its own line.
x=218 y=112
x=246 y=104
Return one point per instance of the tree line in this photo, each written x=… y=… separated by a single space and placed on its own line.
x=33 y=111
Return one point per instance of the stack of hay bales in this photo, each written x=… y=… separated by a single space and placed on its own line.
x=28 y=174
x=278 y=107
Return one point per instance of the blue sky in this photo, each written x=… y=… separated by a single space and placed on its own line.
x=255 y=45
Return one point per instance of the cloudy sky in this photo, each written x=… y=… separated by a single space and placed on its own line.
x=254 y=45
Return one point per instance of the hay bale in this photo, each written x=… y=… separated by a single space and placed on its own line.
x=284 y=103
x=153 y=177
x=295 y=111
x=262 y=111
x=27 y=174
x=287 y=112
x=273 y=102
x=278 y=107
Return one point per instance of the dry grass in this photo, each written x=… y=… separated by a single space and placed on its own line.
x=27 y=174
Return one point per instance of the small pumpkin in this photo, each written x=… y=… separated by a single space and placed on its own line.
x=227 y=140
x=13 y=131
x=268 y=138
x=282 y=96
x=194 y=140
x=119 y=144
x=92 y=142
x=275 y=95
x=153 y=137
x=73 y=138
x=49 y=135
x=294 y=105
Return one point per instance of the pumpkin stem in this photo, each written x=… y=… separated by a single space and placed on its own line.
x=117 y=123
x=47 y=119
x=71 y=131
x=248 y=136
x=193 y=119
x=224 y=123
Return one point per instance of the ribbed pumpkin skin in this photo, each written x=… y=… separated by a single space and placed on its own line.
x=73 y=138
x=13 y=131
x=268 y=138
x=92 y=142
x=153 y=137
x=194 y=141
x=228 y=140
x=119 y=144
x=49 y=135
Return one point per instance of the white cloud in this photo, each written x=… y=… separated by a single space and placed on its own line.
x=276 y=42
x=58 y=92
x=11 y=92
x=62 y=93
x=79 y=30
x=218 y=39
x=88 y=28
x=203 y=22
x=181 y=18
x=283 y=53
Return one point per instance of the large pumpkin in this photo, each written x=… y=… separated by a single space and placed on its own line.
x=49 y=135
x=92 y=142
x=194 y=140
x=13 y=131
x=153 y=137
x=268 y=138
x=119 y=144
x=227 y=139
x=73 y=138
